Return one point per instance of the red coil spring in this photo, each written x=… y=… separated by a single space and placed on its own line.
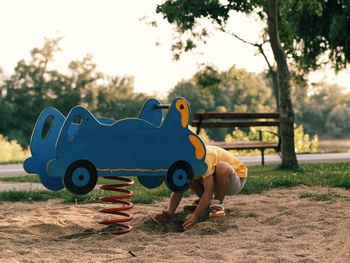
x=125 y=217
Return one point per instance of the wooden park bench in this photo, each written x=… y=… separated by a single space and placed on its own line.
x=238 y=120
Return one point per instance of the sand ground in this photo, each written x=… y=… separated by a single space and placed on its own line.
x=276 y=226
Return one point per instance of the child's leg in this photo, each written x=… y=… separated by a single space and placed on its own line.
x=222 y=185
x=236 y=184
x=226 y=183
x=197 y=188
x=222 y=175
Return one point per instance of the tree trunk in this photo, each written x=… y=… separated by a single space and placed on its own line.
x=276 y=93
x=273 y=76
x=289 y=159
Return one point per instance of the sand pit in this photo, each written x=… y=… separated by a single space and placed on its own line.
x=277 y=226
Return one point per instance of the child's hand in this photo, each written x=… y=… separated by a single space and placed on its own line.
x=163 y=217
x=190 y=221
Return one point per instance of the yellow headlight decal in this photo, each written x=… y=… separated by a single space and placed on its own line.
x=182 y=107
x=198 y=145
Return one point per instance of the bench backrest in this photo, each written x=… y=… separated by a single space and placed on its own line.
x=233 y=120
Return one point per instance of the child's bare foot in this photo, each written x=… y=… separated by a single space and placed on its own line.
x=163 y=217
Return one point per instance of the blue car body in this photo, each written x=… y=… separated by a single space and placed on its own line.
x=149 y=147
x=43 y=146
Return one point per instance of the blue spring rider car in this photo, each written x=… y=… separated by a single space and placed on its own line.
x=75 y=150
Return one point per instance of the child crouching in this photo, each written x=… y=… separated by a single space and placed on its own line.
x=226 y=175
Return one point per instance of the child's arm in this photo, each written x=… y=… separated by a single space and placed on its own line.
x=174 y=201
x=204 y=202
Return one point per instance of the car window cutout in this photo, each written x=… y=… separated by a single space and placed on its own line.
x=46 y=129
x=74 y=127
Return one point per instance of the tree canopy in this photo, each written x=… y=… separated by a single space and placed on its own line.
x=316 y=32
x=312 y=32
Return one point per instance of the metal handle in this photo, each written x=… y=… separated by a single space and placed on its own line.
x=162 y=106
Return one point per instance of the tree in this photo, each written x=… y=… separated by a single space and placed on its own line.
x=200 y=101
x=185 y=14
x=34 y=85
x=271 y=71
x=232 y=90
x=338 y=121
x=325 y=110
x=2 y=77
x=289 y=159
x=116 y=98
x=246 y=91
x=316 y=32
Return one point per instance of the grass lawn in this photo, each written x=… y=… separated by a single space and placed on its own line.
x=329 y=174
x=141 y=194
x=261 y=178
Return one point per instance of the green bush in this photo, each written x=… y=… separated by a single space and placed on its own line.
x=304 y=143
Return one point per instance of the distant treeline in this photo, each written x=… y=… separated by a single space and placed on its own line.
x=321 y=108
x=35 y=84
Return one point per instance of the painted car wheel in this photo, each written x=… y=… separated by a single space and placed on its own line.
x=179 y=176
x=150 y=181
x=80 y=177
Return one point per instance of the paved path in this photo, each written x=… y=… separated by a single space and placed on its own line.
x=302 y=158
x=7 y=170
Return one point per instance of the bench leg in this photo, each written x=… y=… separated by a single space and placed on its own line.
x=262 y=157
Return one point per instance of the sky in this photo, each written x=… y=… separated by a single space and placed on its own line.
x=121 y=43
